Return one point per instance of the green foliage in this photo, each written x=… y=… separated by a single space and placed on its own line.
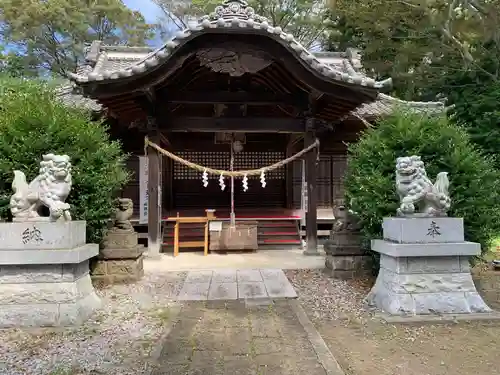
x=32 y=123
x=307 y=20
x=417 y=43
x=16 y=65
x=53 y=33
x=474 y=182
x=473 y=97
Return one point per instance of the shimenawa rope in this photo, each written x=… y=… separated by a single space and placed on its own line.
x=250 y=172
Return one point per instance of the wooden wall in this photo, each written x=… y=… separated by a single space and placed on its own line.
x=184 y=188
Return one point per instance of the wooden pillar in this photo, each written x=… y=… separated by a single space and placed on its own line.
x=312 y=193
x=289 y=173
x=154 y=198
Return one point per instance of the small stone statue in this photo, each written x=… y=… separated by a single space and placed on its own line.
x=123 y=212
x=416 y=189
x=345 y=219
x=49 y=189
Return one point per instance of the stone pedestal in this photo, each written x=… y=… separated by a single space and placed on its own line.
x=44 y=274
x=121 y=258
x=424 y=268
x=344 y=257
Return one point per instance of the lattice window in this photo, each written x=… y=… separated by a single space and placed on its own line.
x=220 y=160
x=256 y=160
x=217 y=160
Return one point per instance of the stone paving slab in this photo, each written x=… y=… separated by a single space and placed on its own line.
x=194 y=291
x=233 y=284
x=248 y=276
x=280 y=289
x=199 y=276
x=224 y=276
x=229 y=338
x=223 y=291
x=252 y=290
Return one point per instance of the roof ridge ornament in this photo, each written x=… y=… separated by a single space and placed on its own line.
x=233 y=15
x=234 y=9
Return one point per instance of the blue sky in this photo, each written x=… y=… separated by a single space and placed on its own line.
x=151 y=12
x=148 y=9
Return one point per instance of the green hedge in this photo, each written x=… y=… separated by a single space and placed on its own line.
x=33 y=122
x=443 y=146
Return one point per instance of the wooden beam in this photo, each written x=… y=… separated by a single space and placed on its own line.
x=237 y=97
x=147 y=102
x=294 y=139
x=234 y=124
x=154 y=198
x=312 y=193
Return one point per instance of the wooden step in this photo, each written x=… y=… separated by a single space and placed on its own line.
x=272 y=234
x=280 y=241
x=278 y=233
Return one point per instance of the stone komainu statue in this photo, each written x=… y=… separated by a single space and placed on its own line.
x=124 y=208
x=416 y=190
x=345 y=219
x=49 y=189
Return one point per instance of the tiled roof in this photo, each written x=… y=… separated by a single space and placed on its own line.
x=69 y=94
x=232 y=15
x=115 y=62
x=385 y=105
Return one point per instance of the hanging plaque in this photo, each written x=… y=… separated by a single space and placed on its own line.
x=143 y=190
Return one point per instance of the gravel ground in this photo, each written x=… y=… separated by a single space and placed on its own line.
x=116 y=340
x=363 y=345
x=328 y=298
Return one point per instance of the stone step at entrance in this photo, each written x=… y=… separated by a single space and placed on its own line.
x=233 y=284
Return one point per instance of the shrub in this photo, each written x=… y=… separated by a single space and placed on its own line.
x=443 y=146
x=32 y=123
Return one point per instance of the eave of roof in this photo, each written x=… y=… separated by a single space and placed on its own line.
x=231 y=16
x=383 y=106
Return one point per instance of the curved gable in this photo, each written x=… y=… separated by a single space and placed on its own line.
x=235 y=17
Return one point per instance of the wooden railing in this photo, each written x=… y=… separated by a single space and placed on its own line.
x=191 y=220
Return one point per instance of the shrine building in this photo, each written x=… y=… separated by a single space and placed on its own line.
x=233 y=87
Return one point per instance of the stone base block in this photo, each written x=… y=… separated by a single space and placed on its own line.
x=423 y=229
x=111 y=271
x=348 y=266
x=426 y=250
x=42 y=235
x=345 y=238
x=426 y=285
x=118 y=239
x=124 y=253
x=46 y=295
x=333 y=249
x=42 y=257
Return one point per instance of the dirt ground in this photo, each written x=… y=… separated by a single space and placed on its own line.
x=367 y=347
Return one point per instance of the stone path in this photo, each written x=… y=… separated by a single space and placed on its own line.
x=237 y=338
x=231 y=284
